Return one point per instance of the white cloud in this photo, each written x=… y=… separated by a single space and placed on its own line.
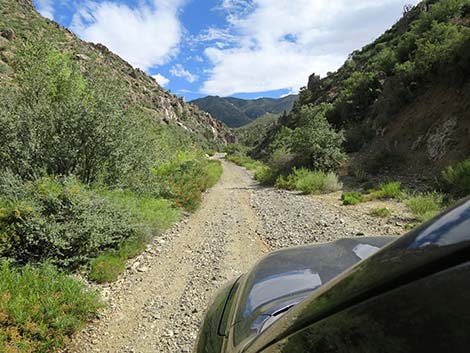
x=213 y=33
x=280 y=43
x=179 y=71
x=146 y=36
x=46 y=8
x=162 y=80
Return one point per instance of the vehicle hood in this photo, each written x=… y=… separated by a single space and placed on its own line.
x=286 y=277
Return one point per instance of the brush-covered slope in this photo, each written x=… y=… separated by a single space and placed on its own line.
x=20 y=23
x=236 y=112
x=403 y=100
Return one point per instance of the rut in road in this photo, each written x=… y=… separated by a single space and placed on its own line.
x=159 y=309
x=158 y=305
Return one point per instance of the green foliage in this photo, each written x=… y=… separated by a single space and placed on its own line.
x=61 y=221
x=316 y=144
x=247 y=162
x=60 y=123
x=356 y=135
x=376 y=82
x=380 y=212
x=331 y=183
x=309 y=182
x=351 y=198
x=235 y=149
x=150 y=215
x=107 y=268
x=455 y=180
x=426 y=205
x=266 y=175
x=40 y=307
x=391 y=190
x=359 y=91
x=288 y=182
x=187 y=178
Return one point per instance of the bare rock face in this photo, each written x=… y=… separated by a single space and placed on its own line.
x=313 y=82
x=438 y=139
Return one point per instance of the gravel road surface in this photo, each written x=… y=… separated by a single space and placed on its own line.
x=158 y=304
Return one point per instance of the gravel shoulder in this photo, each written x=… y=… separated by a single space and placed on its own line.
x=158 y=304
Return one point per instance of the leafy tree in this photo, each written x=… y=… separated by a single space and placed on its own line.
x=316 y=143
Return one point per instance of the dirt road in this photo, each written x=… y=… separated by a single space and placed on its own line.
x=157 y=306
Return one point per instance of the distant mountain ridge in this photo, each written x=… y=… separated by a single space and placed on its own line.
x=236 y=112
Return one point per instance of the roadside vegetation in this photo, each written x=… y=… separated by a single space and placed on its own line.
x=86 y=180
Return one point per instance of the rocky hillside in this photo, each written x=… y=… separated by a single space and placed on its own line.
x=236 y=112
x=403 y=100
x=20 y=23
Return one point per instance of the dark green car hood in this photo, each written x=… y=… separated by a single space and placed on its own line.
x=286 y=277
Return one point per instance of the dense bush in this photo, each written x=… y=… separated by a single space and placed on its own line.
x=61 y=221
x=266 y=175
x=40 y=307
x=316 y=144
x=57 y=122
x=456 y=179
x=187 y=177
x=309 y=182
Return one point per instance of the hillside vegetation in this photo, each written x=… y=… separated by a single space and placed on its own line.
x=397 y=109
x=89 y=173
x=236 y=112
x=406 y=91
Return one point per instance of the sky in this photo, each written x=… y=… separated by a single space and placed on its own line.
x=241 y=48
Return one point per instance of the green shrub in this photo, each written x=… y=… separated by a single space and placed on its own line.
x=380 y=212
x=246 y=162
x=316 y=144
x=152 y=216
x=286 y=182
x=391 y=190
x=351 y=198
x=455 y=180
x=59 y=122
x=61 y=221
x=309 y=182
x=425 y=206
x=266 y=175
x=187 y=179
x=40 y=307
x=214 y=172
x=331 y=183
x=107 y=268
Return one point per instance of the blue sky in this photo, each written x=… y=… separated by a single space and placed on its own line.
x=241 y=48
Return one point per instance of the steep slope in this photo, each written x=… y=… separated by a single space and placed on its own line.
x=236 y=112
x=402 y=101
x=20 y=23
x=250 y=133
